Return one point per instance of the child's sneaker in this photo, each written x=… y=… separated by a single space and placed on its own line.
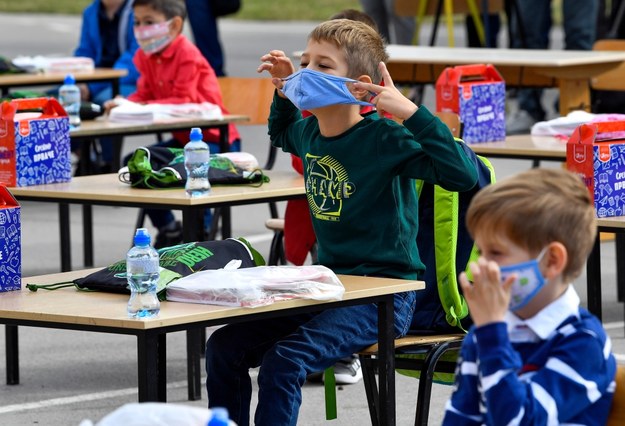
x=347 y=371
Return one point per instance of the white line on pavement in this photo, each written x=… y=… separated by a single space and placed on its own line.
x=78 y=398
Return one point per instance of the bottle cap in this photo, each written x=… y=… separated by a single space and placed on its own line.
x=196 y=134
x=219 y=416
x=69 y=79
x=142 y=237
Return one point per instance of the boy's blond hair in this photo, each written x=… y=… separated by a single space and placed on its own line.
x=535 y=208
x=362 y=45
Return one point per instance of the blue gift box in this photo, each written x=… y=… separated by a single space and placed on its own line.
x=10 y=242
x=34 y=142
x=596 y=152
x=477 y=93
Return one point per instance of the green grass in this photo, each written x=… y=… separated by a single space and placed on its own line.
x=252 y=9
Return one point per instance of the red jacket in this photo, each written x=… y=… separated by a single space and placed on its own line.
x=179 y=74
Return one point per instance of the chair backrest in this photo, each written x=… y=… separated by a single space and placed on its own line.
x=613 y=79
x=617 y=412
x=247 y=96
x=452 y=120
x=251 y=97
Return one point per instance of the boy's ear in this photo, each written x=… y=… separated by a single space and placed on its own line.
x=556 y=259
x=362 y=93
x=177 y=24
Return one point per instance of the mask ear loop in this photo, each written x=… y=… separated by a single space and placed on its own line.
x=539 y=259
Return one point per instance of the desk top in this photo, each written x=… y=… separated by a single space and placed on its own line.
x=524 y=146
x=70 y=306
x=611 y=222
x=103 y=127
x=109 y=190
x=497 y=56
x=16 y=80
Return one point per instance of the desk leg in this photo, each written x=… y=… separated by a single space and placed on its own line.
x=620 y=267
x=192 y=224
x=194 y=370
x=87 y=234
x=386 y=364
x=12 y=354
x=593 y=278
x=152 y=366
x=65 y=237
x=226 y=223
x=574 y=94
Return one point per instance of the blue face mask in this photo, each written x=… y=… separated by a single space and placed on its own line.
x=528 y=283
x=309 y=89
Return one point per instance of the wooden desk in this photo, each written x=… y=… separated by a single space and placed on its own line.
x=568 y=70
x=106 y=312
x=107 y=190
x=102 y=127
x=524 y=147
x=8 y=81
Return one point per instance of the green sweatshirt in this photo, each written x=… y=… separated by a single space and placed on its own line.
x=360 y=185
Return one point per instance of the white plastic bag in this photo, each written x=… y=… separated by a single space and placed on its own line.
x=257 y=286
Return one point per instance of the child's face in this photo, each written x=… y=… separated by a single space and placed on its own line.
x=152 y=29
x=324 y=57
x=501 y=249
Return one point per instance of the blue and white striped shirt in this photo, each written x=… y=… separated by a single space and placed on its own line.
x=554 y=368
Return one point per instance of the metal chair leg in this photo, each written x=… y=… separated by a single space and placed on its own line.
x=276 y=251
x=371 y=387
x=426 y=379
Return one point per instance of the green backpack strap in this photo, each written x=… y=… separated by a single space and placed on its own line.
x=474 y=253
x=446 y=216
x=446 y=205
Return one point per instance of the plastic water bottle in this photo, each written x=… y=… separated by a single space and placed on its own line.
x=196 y=163
x=219 y=417
x=69 y=98
x=142 y=272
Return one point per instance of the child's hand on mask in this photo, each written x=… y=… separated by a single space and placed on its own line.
x=388 y=98
x=278 y=65
x=488 y=298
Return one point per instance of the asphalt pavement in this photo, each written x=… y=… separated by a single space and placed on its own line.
x=68 y=376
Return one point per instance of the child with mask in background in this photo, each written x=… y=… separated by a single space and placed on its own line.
x=533 y=356
x=359 y=173
x=107 y=37
x=173 y=71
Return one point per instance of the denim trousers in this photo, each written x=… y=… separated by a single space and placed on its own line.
x=287 y=349
x=206 y=33
x=579 y=19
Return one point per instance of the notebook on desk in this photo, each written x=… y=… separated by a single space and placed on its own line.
x=132 y=112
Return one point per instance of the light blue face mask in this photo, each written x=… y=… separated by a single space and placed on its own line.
x=309 y=89
x=528 y=283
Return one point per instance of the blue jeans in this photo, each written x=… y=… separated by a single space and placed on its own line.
x=206 y=33
x=287 y=349
x=393 y=28
x=579 y=18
